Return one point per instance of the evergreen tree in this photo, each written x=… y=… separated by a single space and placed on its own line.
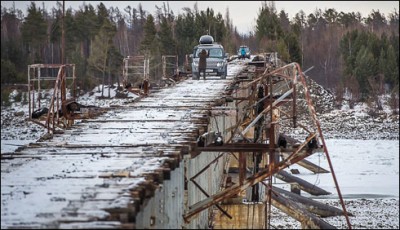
x=229 y=39
x=86 y=28
x=268 y=25
x=388 y=66
x=34 y=33
x=330 y=15
x=185 y=34
x=394 y=21
x=394 y=42
x=293 y=47
x=149 y=39
x=150 y=46
x=315 y=40
x=284 y=21
x=218 y=28
x=348 y=20
x=299 y=23
x=282 y=50
x=11 y=46
x=71 y=38
x=8 y=72
x=365 y=66
x=168 y=46
x=101 y=46
x=376 y=20
x=102 y=15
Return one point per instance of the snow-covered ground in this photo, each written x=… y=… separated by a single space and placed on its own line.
x=367 y=172
x=364 y=151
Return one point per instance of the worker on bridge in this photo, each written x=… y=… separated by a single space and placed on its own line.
x=203 y=63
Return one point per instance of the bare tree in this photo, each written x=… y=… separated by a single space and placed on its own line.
x=376 y=83
x=353 y=91
x=98 y=59
x=394 y=100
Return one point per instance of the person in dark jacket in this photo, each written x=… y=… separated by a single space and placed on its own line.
x=203 y=63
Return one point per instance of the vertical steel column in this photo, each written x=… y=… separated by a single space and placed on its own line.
x=294 y=96
x=316 y=121
x=29 y=91
x=39 y=95
x=242 y=167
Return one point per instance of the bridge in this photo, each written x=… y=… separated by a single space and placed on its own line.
x=174 y=157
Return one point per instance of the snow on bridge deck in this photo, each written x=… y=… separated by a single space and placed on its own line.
x=101 y=167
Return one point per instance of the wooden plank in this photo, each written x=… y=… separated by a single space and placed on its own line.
x=309 y=165
x=308 y=220
x=303 y=185
x=311 y=205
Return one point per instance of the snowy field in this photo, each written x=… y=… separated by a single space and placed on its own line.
x=363 y=168
x=367 y=172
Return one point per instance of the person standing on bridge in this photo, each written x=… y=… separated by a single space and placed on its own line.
x=243 y=53
x=203 y=63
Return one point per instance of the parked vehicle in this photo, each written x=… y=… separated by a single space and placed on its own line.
x=216 y=61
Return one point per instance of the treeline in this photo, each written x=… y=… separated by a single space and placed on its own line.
x=355 y=57
x=350 y=54
x=97 y=39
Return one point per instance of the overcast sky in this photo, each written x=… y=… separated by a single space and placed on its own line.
x=242 y=13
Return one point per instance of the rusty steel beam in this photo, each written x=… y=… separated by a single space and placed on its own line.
x=295 y=157
x=235 y=147
x=299 y=77
x=236 y=189
x=242 y=167
x=266 y=74
x=266 y=110
x=297 y=123
x=53 y=119
x=53 y=66
x=288 y=159
x=293 y=73
x=258 y=177
x=205 y=193
x=206 y=167
x=308 y=165
x=314 y=117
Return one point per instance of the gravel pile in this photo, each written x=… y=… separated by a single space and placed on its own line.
x=344 y=123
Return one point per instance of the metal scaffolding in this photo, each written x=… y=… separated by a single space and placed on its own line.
x=60 y=110
x=267 y=100
x=135 y=74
